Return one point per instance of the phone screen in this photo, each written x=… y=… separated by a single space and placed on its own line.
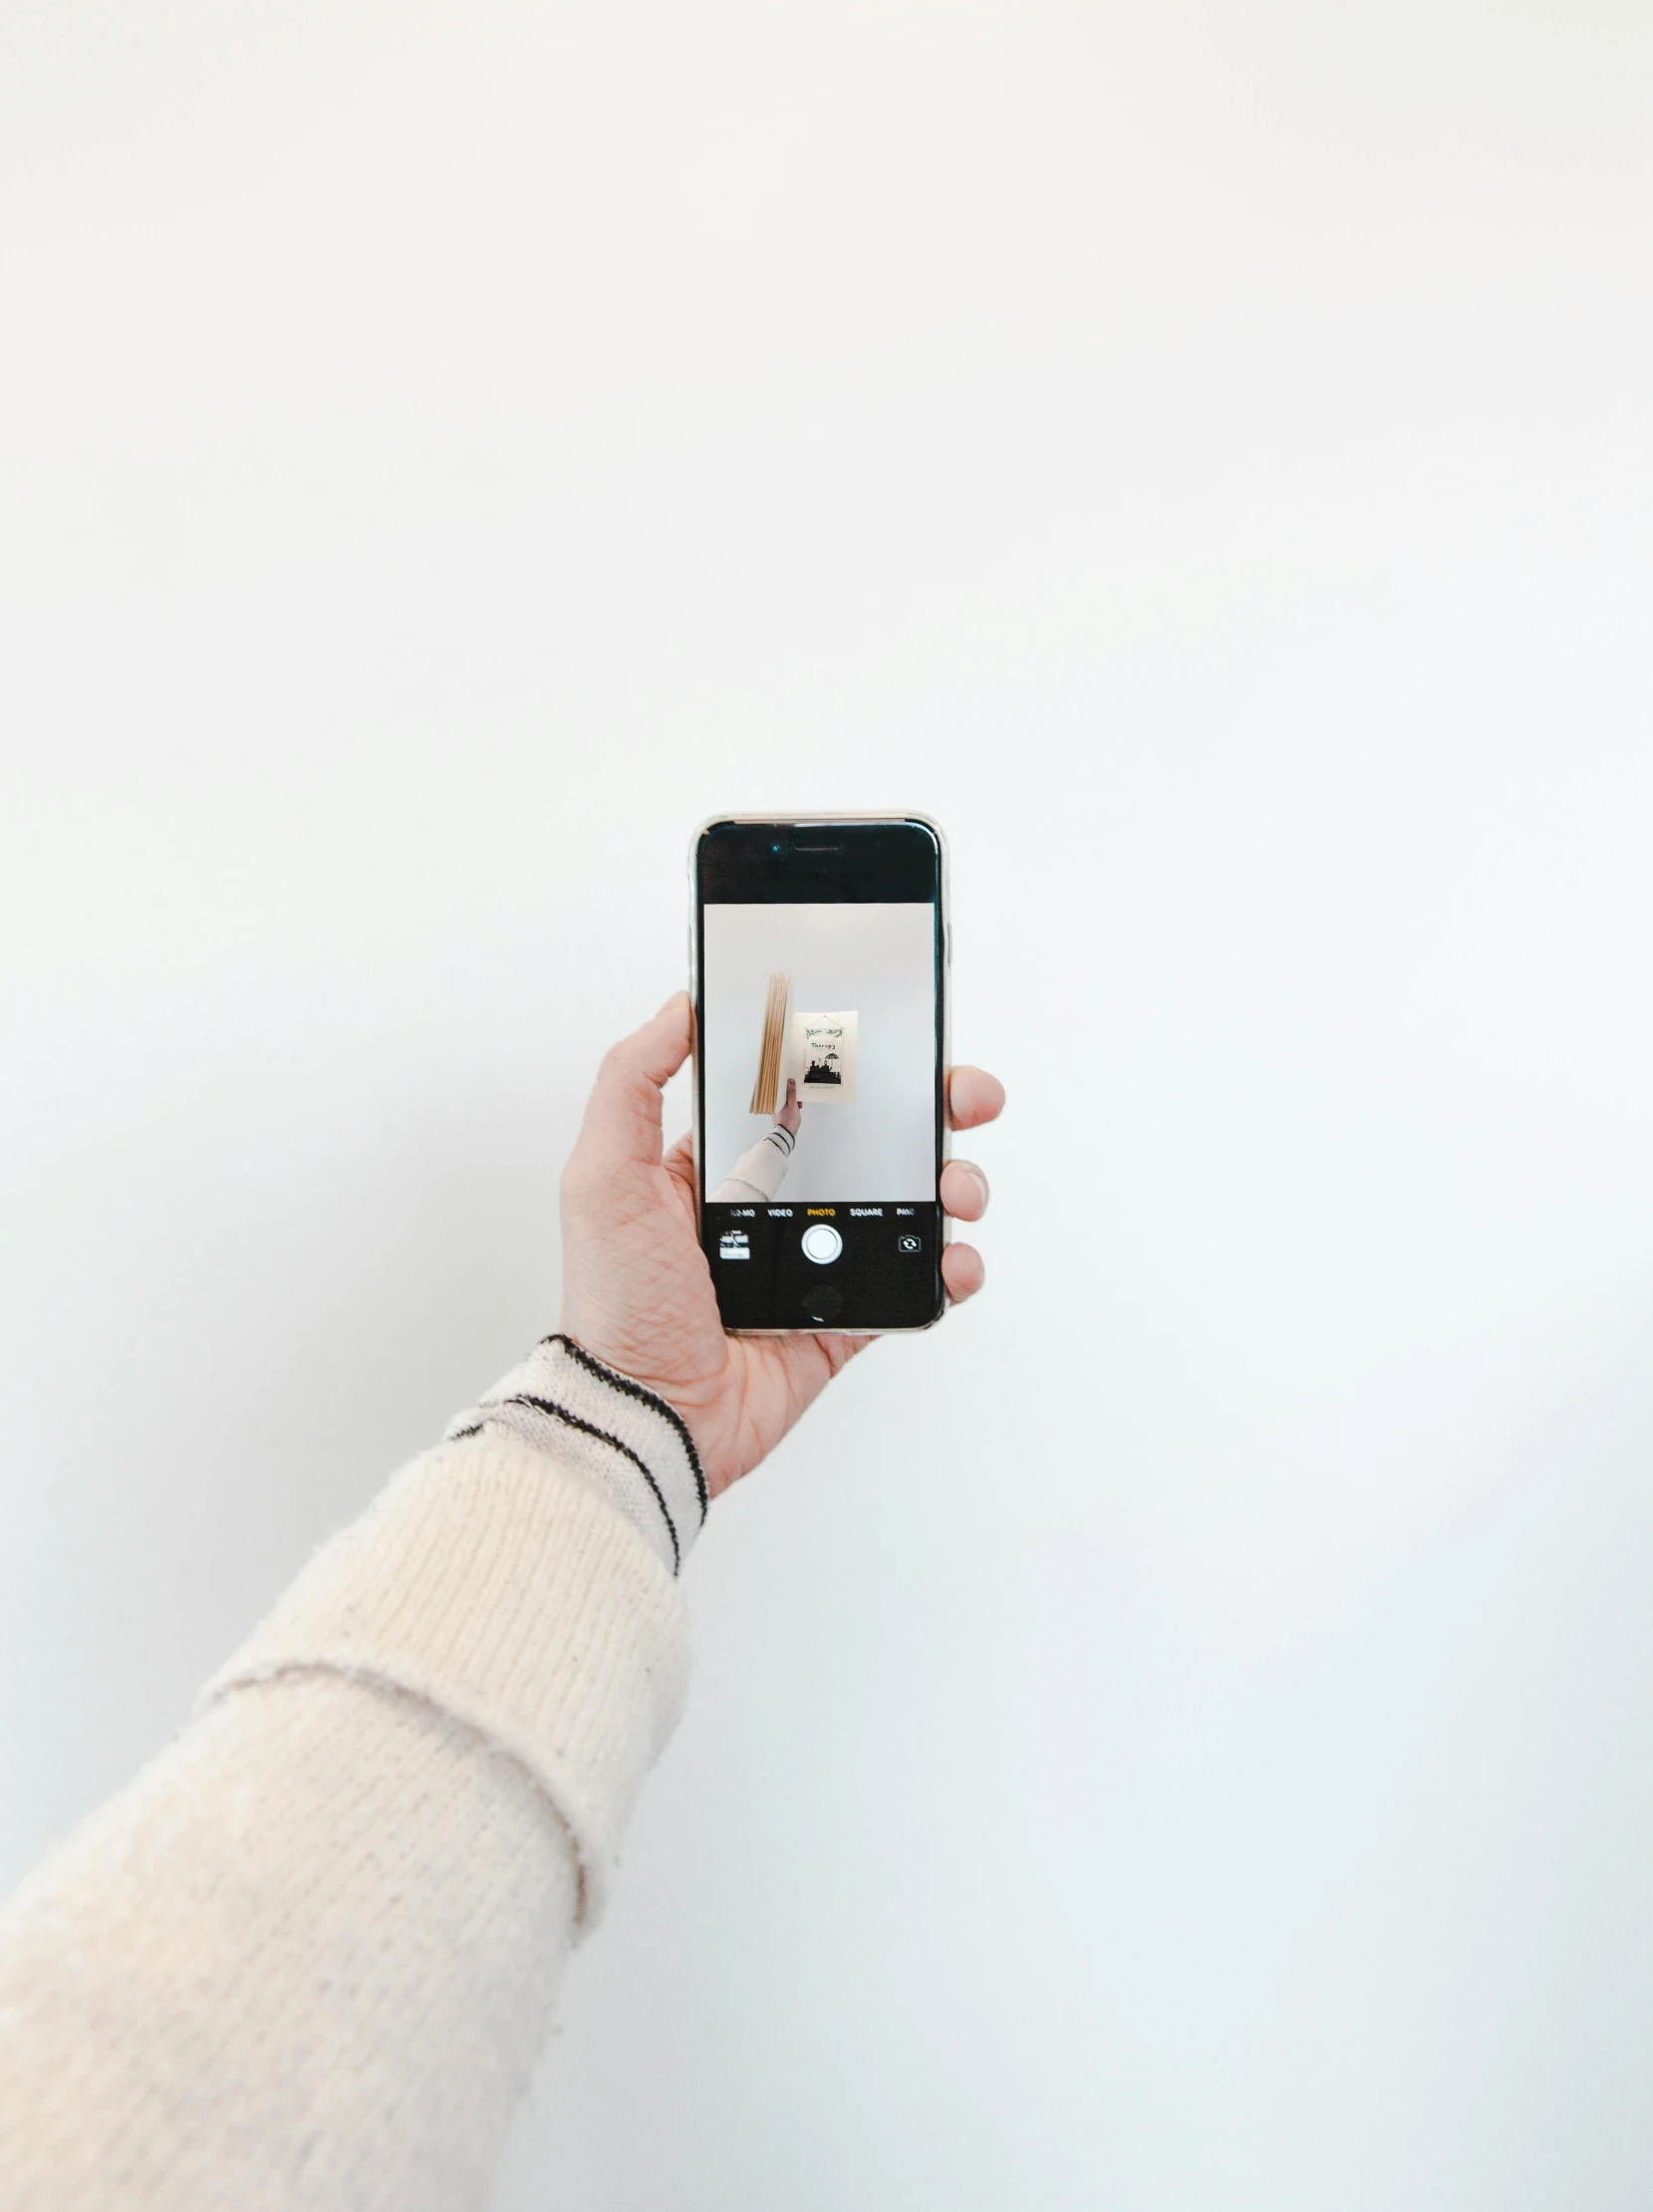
x=820 y=967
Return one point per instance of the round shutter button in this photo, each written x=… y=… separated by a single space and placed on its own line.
x=822 y=1243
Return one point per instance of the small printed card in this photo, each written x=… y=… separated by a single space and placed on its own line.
x=823 y=1058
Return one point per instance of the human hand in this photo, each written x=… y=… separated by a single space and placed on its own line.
x=791 y=1113
x=637 y=1288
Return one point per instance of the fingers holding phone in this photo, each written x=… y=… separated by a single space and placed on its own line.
x=975 y=1098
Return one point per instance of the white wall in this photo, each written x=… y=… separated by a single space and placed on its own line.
x=1177 y=1736
x=875 y=961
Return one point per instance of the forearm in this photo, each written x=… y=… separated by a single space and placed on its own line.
x=758 y=1172
x=306 y=1957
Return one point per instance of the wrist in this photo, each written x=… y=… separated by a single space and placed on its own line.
x=620 y=1439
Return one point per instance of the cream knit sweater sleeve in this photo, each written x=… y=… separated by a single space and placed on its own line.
x=307 y=1957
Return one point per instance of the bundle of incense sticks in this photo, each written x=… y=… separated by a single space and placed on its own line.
x=766 y=1090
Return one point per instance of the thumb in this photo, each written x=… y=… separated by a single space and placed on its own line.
x=623 y=1114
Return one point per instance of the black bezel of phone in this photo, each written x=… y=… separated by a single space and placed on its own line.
x=826 y=860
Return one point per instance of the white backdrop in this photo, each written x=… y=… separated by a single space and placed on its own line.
x=1178 y=1736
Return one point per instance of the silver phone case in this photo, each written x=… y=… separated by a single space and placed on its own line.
x=826 y=821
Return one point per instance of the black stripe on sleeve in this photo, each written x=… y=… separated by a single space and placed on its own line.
x=646 y=1397
x=590 y=1428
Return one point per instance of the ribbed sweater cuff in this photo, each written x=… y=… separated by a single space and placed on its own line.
x=623 y=1442
x=493 y=1580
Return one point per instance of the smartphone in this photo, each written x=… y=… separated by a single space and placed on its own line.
x=820 y=958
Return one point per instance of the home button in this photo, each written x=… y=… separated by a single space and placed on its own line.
x=824 y=1304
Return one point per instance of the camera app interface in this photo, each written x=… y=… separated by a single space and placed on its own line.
x=818 y=1128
